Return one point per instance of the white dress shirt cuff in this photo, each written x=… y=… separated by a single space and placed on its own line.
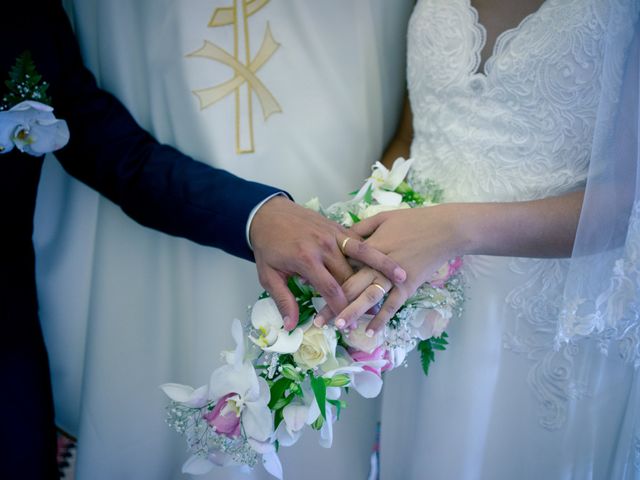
x=253 y=214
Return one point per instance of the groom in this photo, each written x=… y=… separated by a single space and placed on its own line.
x=154 y=184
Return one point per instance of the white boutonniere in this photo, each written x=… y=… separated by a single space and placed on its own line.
x=27 y=121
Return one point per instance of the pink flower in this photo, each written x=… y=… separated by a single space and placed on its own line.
x=380 y=353
x=445 y=272
x=225 y=417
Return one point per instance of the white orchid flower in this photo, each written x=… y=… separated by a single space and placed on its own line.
x=186 y=395
x=364 y=376
x=384 y=179
x=372 y=210
x=387 y=198
x=237 y=356
x=32 y=128
x=270 y=460
x=326 y=431
x=266 y=318
x=295 y=417
x=249 y=401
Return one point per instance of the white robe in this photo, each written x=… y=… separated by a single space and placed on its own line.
x=125 y=308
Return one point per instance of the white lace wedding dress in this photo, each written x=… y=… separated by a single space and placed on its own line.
x=501 y=403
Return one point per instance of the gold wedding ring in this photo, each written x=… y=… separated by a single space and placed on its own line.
x=343 y=245
x=374 y=284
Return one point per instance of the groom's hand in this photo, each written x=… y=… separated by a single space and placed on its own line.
x=289 y=239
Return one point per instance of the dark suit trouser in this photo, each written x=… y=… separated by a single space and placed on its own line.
x=28 y=438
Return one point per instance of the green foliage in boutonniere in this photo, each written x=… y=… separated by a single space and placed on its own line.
x=24 y=83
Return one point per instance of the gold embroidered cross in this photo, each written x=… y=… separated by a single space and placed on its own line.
x=245 y=81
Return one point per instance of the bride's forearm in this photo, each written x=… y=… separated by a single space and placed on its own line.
x=539 y=228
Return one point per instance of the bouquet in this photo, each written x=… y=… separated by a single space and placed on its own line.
x=275 y=383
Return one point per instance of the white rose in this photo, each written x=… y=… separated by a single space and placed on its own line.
x=429 y=323
x=318 y=347
x=358 y=339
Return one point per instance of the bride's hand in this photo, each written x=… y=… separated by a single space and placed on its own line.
x=421 y=240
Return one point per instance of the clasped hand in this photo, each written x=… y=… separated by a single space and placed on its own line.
x=421 y=240
x=289 y=239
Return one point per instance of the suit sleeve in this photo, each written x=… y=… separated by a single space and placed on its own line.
x=154 y=184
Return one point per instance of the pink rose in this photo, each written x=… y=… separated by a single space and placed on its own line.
x=225 y=417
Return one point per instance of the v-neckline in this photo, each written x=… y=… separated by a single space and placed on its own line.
x=477 y=24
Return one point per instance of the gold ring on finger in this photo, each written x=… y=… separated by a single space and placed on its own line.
x=377 y=285
x=343 y=245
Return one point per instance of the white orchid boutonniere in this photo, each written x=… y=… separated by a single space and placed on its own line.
x=27 y=121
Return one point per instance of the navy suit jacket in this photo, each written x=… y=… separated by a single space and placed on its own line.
x=154 y=184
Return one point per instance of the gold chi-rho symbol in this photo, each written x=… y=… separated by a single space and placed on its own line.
x=245 y=79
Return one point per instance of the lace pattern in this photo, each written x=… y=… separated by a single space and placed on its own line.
x=614 y=314
x=520 y=131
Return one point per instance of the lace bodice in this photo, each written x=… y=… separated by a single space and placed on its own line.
x=523 y=128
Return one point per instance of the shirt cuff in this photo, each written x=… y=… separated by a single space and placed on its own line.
x=255 y=210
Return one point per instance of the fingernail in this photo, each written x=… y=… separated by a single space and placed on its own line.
x=369 y=333
x=286 y=321
x=399 y=274
x=340 y=323
x=318 y=321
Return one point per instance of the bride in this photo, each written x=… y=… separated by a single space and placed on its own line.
x=514 y=133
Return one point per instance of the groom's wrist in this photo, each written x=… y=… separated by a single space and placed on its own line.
x=255 y=211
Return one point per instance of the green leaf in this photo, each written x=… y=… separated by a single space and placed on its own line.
x=293 y=286
x=339 y=404
x=354 y=217
x=424 y=347
x=25 y=83
x=320 y=390
x=305 y=315
x=277 y=418
x=277 y=390
x=282 y=402
x=368 y=195
x=427 y=349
